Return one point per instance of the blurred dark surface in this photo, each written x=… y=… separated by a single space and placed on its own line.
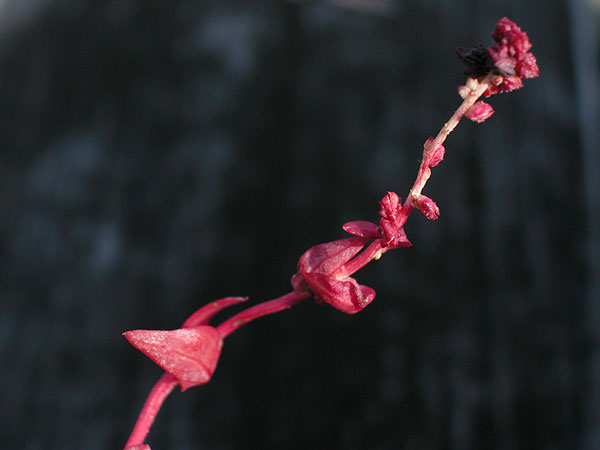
x=159 y=155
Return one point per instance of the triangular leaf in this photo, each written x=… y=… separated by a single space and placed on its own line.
x=189 y=354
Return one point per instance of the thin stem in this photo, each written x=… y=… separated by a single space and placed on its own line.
x=156 y=398
x=204 y=314
x=167 y=382
x=260 y=310
x=480 y=86
x=374 y=251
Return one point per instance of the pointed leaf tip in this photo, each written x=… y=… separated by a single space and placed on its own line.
x=362 y=228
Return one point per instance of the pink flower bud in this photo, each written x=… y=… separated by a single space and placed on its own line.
x=511 y=56
x=189 y=354
x=512 y=84
x=497 y=80
x=480 y=112
x=139 y=447
x=509 y=59
x=509 y=34
x=426 y=206
x=433 y=157
x=528 y=67
x=392 y=222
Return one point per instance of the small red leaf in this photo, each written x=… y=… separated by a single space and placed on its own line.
x=362 y=228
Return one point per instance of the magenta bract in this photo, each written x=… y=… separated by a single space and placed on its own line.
x=315 y=272
x=189 y=354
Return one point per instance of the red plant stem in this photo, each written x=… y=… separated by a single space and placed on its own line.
x=204 y=314
x=374 y=251
x=167 y=382
x=262 y=309
x=156 y=398
x=424 y=171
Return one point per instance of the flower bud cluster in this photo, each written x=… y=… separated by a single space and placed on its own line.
x=511 y=56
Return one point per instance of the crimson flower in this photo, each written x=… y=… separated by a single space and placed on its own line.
x=509 y=59
x=511 y=56
x=432 y=156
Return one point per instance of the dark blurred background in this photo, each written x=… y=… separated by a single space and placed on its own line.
x=159 y=155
